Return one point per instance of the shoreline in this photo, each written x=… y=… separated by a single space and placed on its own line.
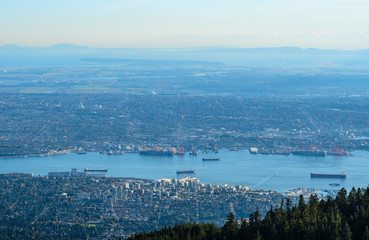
x=53 y=153
x=262 y=151
x=294 y=193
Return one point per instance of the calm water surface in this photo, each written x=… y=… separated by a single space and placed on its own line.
x=275 y=172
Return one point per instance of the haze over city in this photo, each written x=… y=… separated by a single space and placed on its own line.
x=338 y=24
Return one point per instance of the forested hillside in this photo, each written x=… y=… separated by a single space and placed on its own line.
x=345 y=217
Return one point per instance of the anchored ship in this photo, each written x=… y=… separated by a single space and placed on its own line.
x=96 y=170
x=327 y=175
x=210 y=159
x=253 y=150
x=185 y=171
x=311 y=151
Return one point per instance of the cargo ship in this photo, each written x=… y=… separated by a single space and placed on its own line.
x=311 y=153
x=210 y=159
x=326 y=175
x=96 y=170
x=185 y=171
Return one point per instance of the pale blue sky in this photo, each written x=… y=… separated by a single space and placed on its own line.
x=342 y=24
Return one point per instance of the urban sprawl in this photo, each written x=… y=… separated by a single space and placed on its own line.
x=76 y=205
x=51 y=124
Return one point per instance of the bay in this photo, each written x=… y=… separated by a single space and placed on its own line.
x=271 y=172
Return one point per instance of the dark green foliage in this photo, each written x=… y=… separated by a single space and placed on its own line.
x=343 y=218
x=230 y=228
x=183 y=231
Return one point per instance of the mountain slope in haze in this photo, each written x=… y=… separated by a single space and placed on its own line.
x=293 y=57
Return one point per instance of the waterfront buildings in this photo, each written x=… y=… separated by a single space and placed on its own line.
x=118 y=207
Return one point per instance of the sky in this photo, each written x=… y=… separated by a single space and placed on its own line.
x=326 y=24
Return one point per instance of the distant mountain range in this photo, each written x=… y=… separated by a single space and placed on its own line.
x=74 y=55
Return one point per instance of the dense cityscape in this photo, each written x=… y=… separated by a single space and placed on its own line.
x=95 y=207
x=47 y=124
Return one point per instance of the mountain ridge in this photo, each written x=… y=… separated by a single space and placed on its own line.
x=288 y=57
x=63 y=46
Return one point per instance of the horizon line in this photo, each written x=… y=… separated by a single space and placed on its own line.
x=183 y=48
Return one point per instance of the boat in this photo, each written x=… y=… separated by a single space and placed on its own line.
x=311 y=153
x=327 y=175
x=334 y=184
x=185 y=171
x=254 y=150
x=96 y=170
x=81 y=151
x=210 y=159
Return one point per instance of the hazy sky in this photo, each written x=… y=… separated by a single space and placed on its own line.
x=342 y=24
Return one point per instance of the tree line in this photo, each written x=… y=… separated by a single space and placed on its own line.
x=342 y=218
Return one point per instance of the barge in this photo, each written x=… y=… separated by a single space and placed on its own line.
x=327 y=175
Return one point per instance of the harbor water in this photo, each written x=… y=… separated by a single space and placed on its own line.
x=276 y=172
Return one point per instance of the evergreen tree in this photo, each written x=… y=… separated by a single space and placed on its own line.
x=365 y=235
x=230 y=228
x=346 y=232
